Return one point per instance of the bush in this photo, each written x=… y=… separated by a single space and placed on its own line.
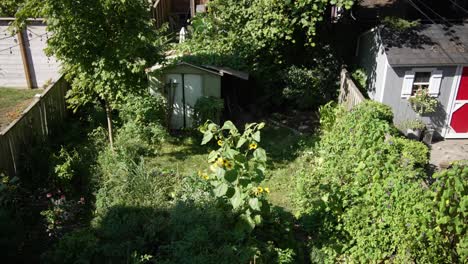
x=450 y=194
x=208 y=108
x=308 y=88
x=363 y=194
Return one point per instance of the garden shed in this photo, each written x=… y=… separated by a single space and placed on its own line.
x=430 y=57
x=184 y=83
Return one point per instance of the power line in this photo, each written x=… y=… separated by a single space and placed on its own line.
x=455 y=3
x=428 y=17
x=432 y=10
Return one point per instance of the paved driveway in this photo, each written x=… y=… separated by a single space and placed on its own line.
x=444 y=152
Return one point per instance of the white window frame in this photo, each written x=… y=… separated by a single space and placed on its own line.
x=405 y=93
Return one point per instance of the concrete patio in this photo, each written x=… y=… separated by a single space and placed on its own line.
x=447 y=151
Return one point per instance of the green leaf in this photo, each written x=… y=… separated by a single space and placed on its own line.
x=258 y=219
x=260 y=154
x=236 y=200
x=212 y=156
x=207 y=137
x=228 y=125
x=221 y=190
x=255 y=204
x=256 y=136
x=241 y=142
x=231 y=176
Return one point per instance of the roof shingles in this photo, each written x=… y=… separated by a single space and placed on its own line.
x=433 y=44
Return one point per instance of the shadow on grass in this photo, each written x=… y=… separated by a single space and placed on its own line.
x=37 y=178
x=283 y=146
x=181 y=233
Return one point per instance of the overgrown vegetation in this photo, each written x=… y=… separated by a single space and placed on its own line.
x=365 y=196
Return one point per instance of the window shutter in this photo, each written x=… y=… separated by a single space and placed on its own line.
x=407 y=84
x=434 y=84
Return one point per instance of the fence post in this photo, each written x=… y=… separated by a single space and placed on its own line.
x=24 y=57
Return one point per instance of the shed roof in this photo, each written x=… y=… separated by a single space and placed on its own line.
x=207 y=68
x=433 y=44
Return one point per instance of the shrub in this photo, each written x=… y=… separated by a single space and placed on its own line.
x=362 y=196
x=360 y=76
x=307 y=88
x=450 y=194
x=208 y=108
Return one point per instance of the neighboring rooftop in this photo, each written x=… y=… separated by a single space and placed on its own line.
x=431 y=44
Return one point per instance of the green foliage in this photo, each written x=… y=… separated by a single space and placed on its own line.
x=208 y=108
x=307 y=88
x=8 y=8
x=62 y=214
x=414 y=124
x=237 y=169
x=362 y=194
x=65 y=168
x=450 y=194
x=360 y=76
x=265 y=38
x=399 y=24
x=328 y=114
x=142 y=130
x=422 y=103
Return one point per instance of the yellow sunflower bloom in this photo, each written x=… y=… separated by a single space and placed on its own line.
x=220 y=143
x=229 y=165
x=267 y=190
x=220 y=162
x=259 y=189
x=253 y=146
x=206 y=177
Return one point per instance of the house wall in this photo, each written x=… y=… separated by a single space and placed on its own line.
x=401 y=107
x=371 y=57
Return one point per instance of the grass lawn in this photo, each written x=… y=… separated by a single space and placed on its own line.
x=13 y=102
x=184 y=155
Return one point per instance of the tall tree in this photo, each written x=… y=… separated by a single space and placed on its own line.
x=103 y=45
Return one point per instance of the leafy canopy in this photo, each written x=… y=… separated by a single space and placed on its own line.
x=249 y=29
x=103 y=45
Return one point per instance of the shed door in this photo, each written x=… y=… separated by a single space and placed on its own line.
x=459 y=116
x=193 y=91
x=175 y=100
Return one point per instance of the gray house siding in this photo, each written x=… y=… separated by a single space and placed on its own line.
x=372 y=58
x=401 y=107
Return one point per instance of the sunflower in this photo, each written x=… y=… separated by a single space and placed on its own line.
x=253 y=146
x=220 y=162
x=267 y=190
x=206 y=177
x=259 y=189
x=229 y=165
x=220 y=143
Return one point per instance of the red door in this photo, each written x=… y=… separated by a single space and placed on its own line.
x=459 y=120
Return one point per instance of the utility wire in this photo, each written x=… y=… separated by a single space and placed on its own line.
x=428 y=17
x=432 y=10
x=461 y=8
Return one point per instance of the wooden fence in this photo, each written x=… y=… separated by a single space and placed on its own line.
x=161 y=10
x=36 y=123
x=350 y=95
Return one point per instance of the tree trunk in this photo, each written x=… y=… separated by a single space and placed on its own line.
x=109 y=125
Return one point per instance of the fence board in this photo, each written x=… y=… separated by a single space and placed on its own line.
x=350 y=95
x=36 y=123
